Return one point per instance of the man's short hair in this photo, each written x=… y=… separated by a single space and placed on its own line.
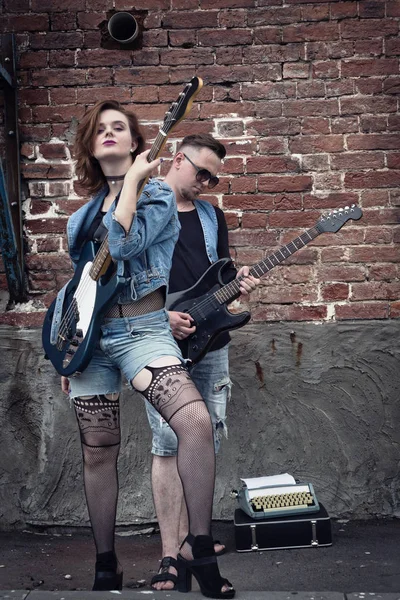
x=204 y=140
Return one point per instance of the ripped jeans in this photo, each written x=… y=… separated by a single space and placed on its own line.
x=211 y=377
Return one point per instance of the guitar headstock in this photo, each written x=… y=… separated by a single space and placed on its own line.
x=334 y=220
x=182 y=106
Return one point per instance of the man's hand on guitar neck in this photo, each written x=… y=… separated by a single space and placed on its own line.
x=249 y=283
x=181 y=324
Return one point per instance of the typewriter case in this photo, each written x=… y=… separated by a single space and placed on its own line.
x=277 y=533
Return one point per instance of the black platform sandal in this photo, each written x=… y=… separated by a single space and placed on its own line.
x=106 y=577
x=164 y=574
x=205 y=569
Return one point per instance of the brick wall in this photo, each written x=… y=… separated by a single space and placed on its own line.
x=304 y=93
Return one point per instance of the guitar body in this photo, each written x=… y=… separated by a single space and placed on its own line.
x=210 y=316
x=85 y=303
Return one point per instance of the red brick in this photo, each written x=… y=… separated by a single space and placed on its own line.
x=351 y=29
x=272 y=53
x=372 y=180
x=65 y=21
x=312 y=125
x=34 y=133
x=373 y=254
x=309 y=144
x=310 y=32
x=369 y=67
x=372 y=124
x=261 y=239
x=99 y=75
x=334 y=291
x=227 y=4
x=154 y=38
x=378 y=235
x=344 y=124
x=368 y=86
x=272 y=164
x=33 y=97
x=248 y=202
x=375 y=290
x=38 y=60
x=59 y=77
x=340 y=273
x=364 y=310
x=393 y=8
x=369 y=47
x=14 y=23
x=391 y=85
x=46 y=171
x=232 y=220
x=189 y=20
x=394 y=310
x=54 y=114
x=243 y=185
x=100 y=57
x=284 y=184
x=292 y=219
x=278 y=126
x=272 y=145
x=373 y=142
x=325 y=70
x=94 y=93
x=374 y=198
x=64 y=96
x=90 y=20
x=56 y=39
x=151 y=75
x=230 y=128
x=297 y=70
x=268 y=91
x=254 y=221
x=358 y=160
x=310 y=108
x=233 y=18
x=267 y=35
x=289 y=313
x=285 y=294
x=224 y=37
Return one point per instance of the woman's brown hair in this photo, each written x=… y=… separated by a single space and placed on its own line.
x=87 y=167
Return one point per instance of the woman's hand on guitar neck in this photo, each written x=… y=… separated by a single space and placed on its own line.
x=249 y=283
x=181 y=324
x=140 y=170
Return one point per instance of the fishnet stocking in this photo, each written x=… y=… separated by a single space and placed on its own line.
x=98 y=420
x=176 y=398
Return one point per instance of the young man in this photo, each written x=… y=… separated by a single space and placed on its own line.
x=203 y=239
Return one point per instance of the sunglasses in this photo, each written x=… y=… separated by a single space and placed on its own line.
x=203 y=175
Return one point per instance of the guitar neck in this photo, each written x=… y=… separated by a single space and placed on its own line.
x=102 y=259
x=231 y=291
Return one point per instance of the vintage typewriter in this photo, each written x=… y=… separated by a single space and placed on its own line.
x=260 y=500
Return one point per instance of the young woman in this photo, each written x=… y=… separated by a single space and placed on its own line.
x=136 y=343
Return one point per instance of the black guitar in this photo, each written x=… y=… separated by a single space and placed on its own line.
x=94 y=287
x=206 y=302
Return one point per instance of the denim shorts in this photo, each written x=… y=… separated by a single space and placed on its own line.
x=211 y=377
x=125 y=347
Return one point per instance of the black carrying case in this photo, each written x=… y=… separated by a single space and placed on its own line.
x=309 y=530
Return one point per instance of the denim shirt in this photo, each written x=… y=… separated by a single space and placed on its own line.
x=144 y=253
x=209 y=223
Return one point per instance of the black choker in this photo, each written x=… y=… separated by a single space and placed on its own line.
x=116 y=178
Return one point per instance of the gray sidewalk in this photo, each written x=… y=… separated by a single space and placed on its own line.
x=362 y=564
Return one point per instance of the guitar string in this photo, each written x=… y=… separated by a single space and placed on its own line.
x=235 y=283
x=169 y=118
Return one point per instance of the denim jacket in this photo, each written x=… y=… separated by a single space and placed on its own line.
x=209 y=223
x=144 y=253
